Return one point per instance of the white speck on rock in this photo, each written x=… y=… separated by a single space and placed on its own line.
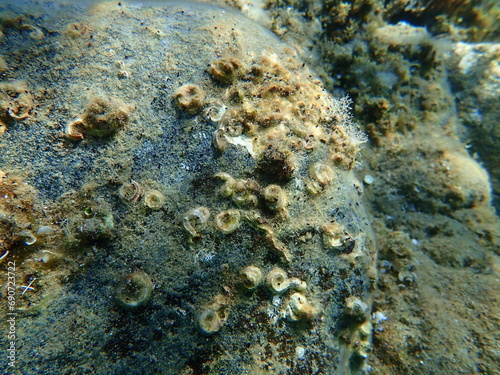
x=368 y=179
x=300 y=352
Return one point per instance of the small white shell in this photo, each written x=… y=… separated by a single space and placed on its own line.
x=45 y=230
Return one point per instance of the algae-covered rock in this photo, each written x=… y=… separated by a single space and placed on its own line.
x=238 y=156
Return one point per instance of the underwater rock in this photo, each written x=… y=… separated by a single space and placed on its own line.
x=475 y=69
x=230 y=125
x=135 y=289
x=251 y=277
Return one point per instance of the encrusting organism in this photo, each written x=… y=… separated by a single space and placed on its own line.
x=190 y=98
x=251 y=277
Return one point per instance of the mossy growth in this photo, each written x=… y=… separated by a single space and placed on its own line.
x=19 y=214
x=277 y=110
x=322 y=173
x=154 y=199
x=89 y=219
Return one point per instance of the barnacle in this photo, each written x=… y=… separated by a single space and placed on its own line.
x=29 y=238
x=298 y=284
x=242 y=192
x=130 y=191
x=210 y=321
x=215 y=112
x=277 y=280
x=233 y=126
x=214 y=316
x=275 y=197
x=154 y=199
x=365 y=329
x=195 y=220
x=75 y=130
x=356 y=308
x=322 y=173
x=299 y=308
x=45 y=230
x=220 y=140
x=227 y=221
x=333 y=235
x=225 y=70
x=76 y=29
x=103 y=117
x=227 y=189
x=16 y=103
x=135 y=289
x=251 y=277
